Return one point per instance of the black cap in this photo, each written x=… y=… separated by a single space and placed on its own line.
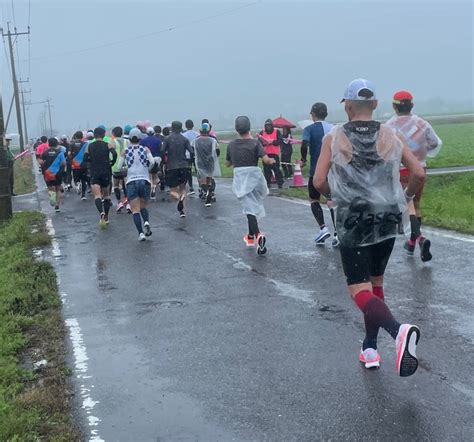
x=242 y=124
x=268 y=121
x=320 y=110
x=176 y=126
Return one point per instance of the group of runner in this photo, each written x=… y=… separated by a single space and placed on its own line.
x=355 y=166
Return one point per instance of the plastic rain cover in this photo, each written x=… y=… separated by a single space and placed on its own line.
x=250 y=187
x=207 y=162
x=420 y=136
x=365 y=186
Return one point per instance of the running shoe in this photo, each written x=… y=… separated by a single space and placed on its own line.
x=153 y=193
x=182 y=214
x=129 y=208
x=147 y=226
x=409 y=246
x=335 y=241
x=405 y=344
x=57 y=209
x=322 y=236
x=120 y=206
x=370 y=357
x=141 y=237
x=425 y=245
x=180 y=205
x=106 y=219
x=191 y=191
x=52 y=199
x=84 y=198
x=102 y=220
x=208 y=199
x=201 y=194
x=249 y=241
x=261 y=244
x=79 y=188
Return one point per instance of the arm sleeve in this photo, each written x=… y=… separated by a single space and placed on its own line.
x=304 y=150
x=114 y=156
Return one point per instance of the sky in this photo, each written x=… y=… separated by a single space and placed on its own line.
x=224 y=58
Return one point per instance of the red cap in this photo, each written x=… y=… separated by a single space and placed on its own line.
x=402 y=96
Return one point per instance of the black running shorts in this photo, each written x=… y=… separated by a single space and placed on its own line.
x=360 y=263
x=101 y=180
x=176 y=177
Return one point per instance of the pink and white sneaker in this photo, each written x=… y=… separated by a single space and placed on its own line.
x=406 y=342
x=120 y=206
x=370 y=357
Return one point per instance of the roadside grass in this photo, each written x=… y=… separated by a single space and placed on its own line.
x=447 y=201
x=458 y=145
x=34 y=403
x=457 y=150
x=24 y=179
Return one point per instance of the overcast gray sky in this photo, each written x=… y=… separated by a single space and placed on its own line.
x=225 y=58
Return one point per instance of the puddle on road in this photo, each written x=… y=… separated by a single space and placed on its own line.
x=290 y=291
x=102 y=280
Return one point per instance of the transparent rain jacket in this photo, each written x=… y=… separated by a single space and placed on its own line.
x=250 y=187
x=420 y=136
x=365 y=185
x=206 y=159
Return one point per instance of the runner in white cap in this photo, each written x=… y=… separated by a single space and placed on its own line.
x=359 y=169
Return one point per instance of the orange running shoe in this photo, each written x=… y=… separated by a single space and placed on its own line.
x=370 y=357
x=406 y=342
x=249 y=242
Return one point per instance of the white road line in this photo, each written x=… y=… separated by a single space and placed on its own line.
x=79 y=351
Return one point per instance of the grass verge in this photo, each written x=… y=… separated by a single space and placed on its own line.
x=34 y=402
x=24 y=179
x=447 y=201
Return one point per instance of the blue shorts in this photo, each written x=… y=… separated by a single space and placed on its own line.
x=138 y=189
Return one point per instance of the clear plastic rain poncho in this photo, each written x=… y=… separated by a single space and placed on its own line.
x=250 y=187
x=420 y=136
x=206 y=159
x=365 y=186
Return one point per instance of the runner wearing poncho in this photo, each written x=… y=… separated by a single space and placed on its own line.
x=358 y=169
x=423 y=142
x=207 y=165
x=249 y=184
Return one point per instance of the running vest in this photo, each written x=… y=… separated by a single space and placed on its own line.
x=271 y=149
x=364 y=183
x=120 y=145
x=138 y=163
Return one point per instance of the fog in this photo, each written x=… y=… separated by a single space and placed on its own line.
x=224 y=58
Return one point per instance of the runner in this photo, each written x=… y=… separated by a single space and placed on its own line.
x=191 y=135
x=271 y=139
x=423 y=142
x=153 y=142
x=119 y=172
x=68 y=175
x=249 y=184
x=361 y=160
x=76 y=153
x=53 y=166
x=206 y=162
x=139 y=160
x=175 y=148
x=312 y=137
x=98 y=154
x=286 y=153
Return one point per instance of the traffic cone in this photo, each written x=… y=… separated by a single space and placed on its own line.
x=298 y=177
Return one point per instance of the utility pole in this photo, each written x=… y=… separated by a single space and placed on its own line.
x=15 y=82
x=5 y=191
x=48 y=101
x=23 y=92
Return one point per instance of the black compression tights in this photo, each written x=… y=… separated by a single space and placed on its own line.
x=253 y=225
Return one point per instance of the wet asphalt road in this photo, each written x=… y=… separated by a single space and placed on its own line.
x=192 y=337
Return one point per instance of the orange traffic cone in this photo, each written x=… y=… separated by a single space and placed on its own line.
x=298 y=177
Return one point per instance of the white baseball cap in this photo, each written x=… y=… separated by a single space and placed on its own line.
x=135 y=132
x=360 y=90
x=150 y=131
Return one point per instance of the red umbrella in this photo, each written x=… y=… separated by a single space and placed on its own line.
x=283 y=122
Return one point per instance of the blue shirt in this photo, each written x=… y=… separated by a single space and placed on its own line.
x=314 y=134
x=153 y=143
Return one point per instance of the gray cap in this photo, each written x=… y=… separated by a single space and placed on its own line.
x=242 y=124
x=135 y=133
x=176 y=126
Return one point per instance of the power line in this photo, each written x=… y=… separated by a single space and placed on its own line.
x=151 y=34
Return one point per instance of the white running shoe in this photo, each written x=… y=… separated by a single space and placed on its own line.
x=406 y=342
x=120 y=206
x=141 y=237
x=129 y=208
x=322 y=236
x=335 y=241
x=370 y=357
